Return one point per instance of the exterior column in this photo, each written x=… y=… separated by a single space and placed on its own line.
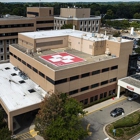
x=118 y=92
x=10 y=123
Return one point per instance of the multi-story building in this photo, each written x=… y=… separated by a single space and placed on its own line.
x=44 y=17
x=79 y=17
x=83 y=65
x=10 y=25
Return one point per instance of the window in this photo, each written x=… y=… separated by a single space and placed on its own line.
x=8 y=56
x=14 y=41
x=85 y=75
x=106 y=69
x=24 y=62
x=84 y=88
x=29 y=66
x=97 y=21
x=93 y=22
x=96 y=98
x=74 y=77
x=81 y=22
x=104 y=82
x=35 y=70
x=7 y=42
x=85 y=101
x=101 y=95
x=31 y=90
x=1 y=57
x=96 y=28
x=91 y=99
x=1 y=49
x=15 y=56
x=105 y=94
x=7 y=49
x=22 y=81
x=19 y=59
x=61 y=81
x=95 y=85
x=73 y=92
x=114 y=67
x=50 y=80
x=1 y=42
x=96 y=72
x=13 y=74
x=41 y=74
x=113 y=80
x=11 y=53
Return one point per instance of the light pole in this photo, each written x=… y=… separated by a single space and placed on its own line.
x=39 y=3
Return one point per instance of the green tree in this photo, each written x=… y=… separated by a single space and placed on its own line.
x=109 y=14
x=58 y=119
x=137 y=16
x=5 y=134
x=67 y=26
x=135 y=25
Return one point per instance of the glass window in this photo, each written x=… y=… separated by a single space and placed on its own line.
x=73 y=92
x=104 y=82
x=85 y=75
x=84 y=88
x=74 y=77
x=106 y=69
x=101 y=95
x=95 y=85
x=114 y=67
x=96 y=72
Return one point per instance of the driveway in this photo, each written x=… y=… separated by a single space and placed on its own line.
x=98 y=119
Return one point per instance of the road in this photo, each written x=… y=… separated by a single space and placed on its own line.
x=98 y=119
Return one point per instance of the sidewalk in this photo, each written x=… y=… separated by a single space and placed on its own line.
x=104 y=104
x=92 y=109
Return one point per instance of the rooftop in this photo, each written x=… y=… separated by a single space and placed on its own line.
x=17 y=93
x=11 y=17
x=86 y=58
x=70 y=32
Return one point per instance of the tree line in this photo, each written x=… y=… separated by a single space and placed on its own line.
x=108 y=10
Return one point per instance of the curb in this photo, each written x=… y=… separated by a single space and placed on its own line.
x=116 y=120
x=106 y=105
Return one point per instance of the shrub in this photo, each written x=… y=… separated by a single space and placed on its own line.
x=128 y=121
x=119 y=132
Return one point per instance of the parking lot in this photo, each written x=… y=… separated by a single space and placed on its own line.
x=98 y=119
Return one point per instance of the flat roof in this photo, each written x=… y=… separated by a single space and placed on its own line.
x=133 y=80
x=15 y=95
x=70 y=32
x=88 y=59
x=75 y=18
x=14 y=17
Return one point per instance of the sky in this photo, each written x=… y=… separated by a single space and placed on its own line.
x=66 y=0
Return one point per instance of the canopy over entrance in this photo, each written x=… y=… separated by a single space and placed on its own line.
x=131 y=83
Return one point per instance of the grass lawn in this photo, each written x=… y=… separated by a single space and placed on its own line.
x=126 y=128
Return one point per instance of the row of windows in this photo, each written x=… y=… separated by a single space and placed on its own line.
x=71 y=78
x=88 y=29
x=42 y=22
x=44 y=28
x=92 y=86
x=17 y=25
x=89 y=22
x=9 y=34
x=98 y=97
x=7 y=41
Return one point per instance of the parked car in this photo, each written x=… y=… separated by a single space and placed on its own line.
x=138 y=58
x=117 y=111
x=132 y=97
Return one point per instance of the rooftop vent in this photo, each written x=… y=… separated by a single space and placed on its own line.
x=38 y=50
x=7 y=68
x=31 y=90
x=13 y=74
x=119 y=39
x=107 y=52
x=22 y=81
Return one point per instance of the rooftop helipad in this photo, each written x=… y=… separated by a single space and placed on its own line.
x=61 y=59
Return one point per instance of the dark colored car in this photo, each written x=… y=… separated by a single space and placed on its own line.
x=116 y=112
x=138 y=58
x=132 y=97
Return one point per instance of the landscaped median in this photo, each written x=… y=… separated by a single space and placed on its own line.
x=124 y=128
